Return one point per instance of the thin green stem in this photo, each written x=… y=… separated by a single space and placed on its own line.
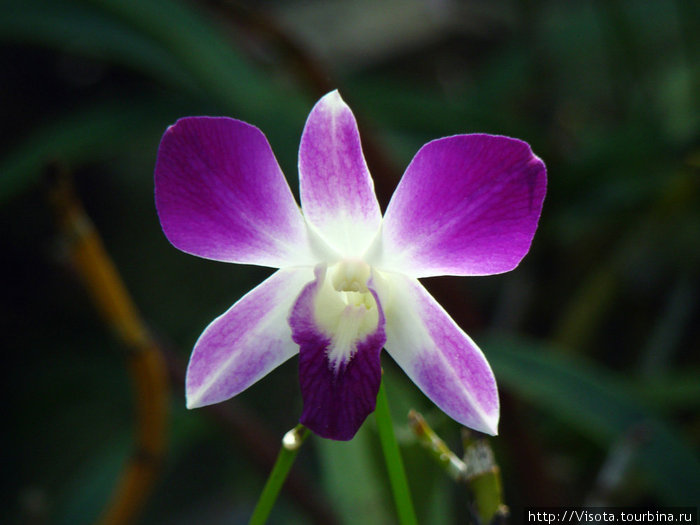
x=394 y=465
x=291 y=443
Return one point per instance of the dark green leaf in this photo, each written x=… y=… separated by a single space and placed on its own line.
x=596 y=403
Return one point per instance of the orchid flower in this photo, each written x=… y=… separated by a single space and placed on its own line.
x=347 y=279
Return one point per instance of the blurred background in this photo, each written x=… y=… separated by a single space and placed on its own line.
x=594 y=338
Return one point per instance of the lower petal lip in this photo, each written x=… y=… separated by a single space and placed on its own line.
x=338 y=396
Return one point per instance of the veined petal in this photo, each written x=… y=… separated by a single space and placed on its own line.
x=221 y=195
x=467 y=205
x=337 y=192
x=248 y=341
x=340 y=335
x=437 y=355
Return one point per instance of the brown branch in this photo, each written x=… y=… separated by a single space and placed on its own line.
x=144 y=360
x=149 y=363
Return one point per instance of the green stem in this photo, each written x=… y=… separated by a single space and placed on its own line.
x=394 y=465
x=291 y=443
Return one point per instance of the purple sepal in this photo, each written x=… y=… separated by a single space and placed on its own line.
x=466 y=205
x=439 y=357
x=336 y=401
x=220 y=194
x=246 y=342
x=335 y=186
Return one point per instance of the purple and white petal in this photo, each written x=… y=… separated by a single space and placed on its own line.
x=221 y=195
x=467 y=205
x=340 y=341
x=337 y=191
x=247 y=342
x=437 y=355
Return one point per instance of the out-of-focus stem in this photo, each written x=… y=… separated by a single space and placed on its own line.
x=478 y=470
x=483 y=477
x=427 y=437
x=616 y=466
x=144 y=359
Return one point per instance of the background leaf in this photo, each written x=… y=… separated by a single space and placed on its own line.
x=599 y=405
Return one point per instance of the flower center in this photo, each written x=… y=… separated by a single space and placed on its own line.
x=350 y=275
x=345 y=309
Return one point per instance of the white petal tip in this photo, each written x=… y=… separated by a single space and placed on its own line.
x=491 y=428
x=333 y=101
x=193 y=401
x=484 y=424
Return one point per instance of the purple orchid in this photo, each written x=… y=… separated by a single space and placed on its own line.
x=347 y=283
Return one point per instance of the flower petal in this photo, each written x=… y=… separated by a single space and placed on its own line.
x=467 y=205
x=245 y=343
x=437 y=355
x=337 y=192
x=339 y=368
x=221 y=195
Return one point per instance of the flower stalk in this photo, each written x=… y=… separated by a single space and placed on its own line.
x=291 y=443
x=394 y=464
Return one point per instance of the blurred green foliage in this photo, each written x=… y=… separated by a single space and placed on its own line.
x=593 y=338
